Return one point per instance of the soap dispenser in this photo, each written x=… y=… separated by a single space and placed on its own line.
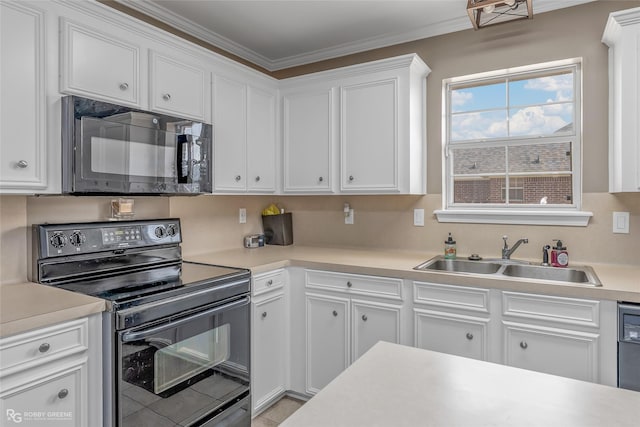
x=559 y=255
x=450 y=248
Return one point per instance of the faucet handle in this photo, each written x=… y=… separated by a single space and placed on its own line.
x=504 y=238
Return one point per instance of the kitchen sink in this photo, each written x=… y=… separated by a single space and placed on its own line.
x=460 y=266
x=583 y=275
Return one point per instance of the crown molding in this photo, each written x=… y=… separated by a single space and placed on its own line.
x=273 y=64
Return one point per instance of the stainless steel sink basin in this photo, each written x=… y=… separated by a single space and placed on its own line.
x=583 y=275
x=460 y=266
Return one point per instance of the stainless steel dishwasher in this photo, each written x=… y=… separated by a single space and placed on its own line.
x=629 y=346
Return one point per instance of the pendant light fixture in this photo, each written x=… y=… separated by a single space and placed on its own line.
x=484 y=13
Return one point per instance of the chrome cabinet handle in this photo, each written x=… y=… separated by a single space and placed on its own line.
x=523 y=345
x=124 y=86
x=264 y=314
x=238 y=178
x=269 y=282
x=351 y=178
x=44 y=347
x=166 y=97
x=364 y=317
x=63 y=393
x=335 y=313
x=469 y=336
x=320 y=179
x=22 y=164
x=258 y=178
x=349 y=284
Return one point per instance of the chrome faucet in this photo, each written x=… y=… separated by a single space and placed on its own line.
x=506 y=251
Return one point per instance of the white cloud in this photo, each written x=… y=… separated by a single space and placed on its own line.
x=562 y=85
x=460 y=98
x=535 y=121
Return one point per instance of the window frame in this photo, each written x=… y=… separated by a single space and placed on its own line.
x=559 y=214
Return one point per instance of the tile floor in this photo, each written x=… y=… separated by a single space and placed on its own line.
x=277 y=412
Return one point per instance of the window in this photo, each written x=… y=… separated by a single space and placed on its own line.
x=512 y=145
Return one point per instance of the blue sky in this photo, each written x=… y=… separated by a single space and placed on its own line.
x=539 y=106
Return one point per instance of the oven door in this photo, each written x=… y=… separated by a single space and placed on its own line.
x=186 y=370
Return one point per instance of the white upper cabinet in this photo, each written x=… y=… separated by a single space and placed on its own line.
x=245 y=136
x=380 y=128
x=622 y=35
x=98 y=65
x=23 y=121
x=178 y=88
x=308 y=137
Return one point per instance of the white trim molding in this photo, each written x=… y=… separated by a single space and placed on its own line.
x=525 y=217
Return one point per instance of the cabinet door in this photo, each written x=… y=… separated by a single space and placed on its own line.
x=99 y=66
x=59 y=399
x=369 y=136
x=261 y=140
x=230 y=128
x=308 y=141
x=23 y=150
x=451 y=333
x=373 y=322
x=554 y=351
x=327 y=340
x=177 y=88
x=268 y=351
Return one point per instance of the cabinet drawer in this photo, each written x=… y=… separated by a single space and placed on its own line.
x=22 y=351
x=56 y=399
x=356 y=284
x=474 y=299
x=554 y=351
x=266 y=282
x=555 y=309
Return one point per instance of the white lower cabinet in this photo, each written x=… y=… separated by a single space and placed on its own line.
x=53 y=375
x=341 y=325
x=269 y=344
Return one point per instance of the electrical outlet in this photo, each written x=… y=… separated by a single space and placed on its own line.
x=242 y=216
x=348 y=219
x=621 y=222
x=418 y=217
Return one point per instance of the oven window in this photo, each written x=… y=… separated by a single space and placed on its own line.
x=187 y=358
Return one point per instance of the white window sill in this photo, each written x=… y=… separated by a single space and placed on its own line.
x=526 y=217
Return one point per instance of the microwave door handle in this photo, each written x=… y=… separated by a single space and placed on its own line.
x=138 y=335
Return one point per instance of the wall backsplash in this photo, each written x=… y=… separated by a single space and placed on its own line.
x=210 y=223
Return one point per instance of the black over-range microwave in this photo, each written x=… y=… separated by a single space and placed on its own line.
x=112 y=149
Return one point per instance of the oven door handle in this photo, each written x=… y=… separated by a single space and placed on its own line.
x=138 y=335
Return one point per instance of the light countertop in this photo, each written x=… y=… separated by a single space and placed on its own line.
x=394 y=385
x=26 y=306
x=620 y=282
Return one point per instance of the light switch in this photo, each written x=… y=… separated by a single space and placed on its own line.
x=621 y=222
x=418 y=217
x=242 y=216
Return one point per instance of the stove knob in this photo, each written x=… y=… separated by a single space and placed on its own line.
x=160 y=232
x=172 y=230
x=77 y=238
x=58 y=240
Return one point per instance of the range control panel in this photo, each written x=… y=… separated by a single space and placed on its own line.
x=78 y=238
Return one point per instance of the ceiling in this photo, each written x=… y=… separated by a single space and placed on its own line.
x=282 y=34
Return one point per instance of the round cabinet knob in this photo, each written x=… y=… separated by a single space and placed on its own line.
x=469 y=336
x=335 y=313
x=124 y=86
x=63 y=393
x=44 y=347
x=364 y=317
x=264 y=314
x=349 y=284
x=269 y=282
x=320 y=179
x=238 y=178
x=22 y=164
x=166 y=97
x=524 y=345
x=258 y=178
x=351 y=178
